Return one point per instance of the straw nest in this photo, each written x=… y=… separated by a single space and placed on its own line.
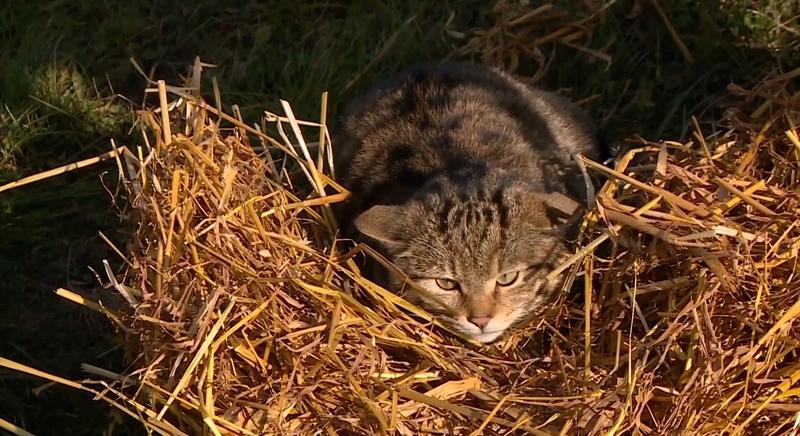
x=247 y=316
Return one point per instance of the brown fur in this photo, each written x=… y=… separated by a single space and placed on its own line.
x=460 y=172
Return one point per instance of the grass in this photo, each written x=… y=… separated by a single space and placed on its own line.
x=63 y=61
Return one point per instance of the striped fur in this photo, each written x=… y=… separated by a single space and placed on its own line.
x=460 y=172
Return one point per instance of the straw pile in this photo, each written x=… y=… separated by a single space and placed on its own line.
x=247 y=316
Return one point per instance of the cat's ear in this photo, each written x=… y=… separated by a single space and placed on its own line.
x=560 y=203
x=561 y=211
x=554 y=209
x=381 y=223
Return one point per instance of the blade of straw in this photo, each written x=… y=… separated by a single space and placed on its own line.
x=323 y=118
x=14 y=366
x=196 y=360
x=664 y=235
x=478 y=431
x=588 y=248
x=165 y=124
x=745 y=197
x=77 y=299
x=461 y=410
x=687 y=55
x=587 y=315
x=13 y=429
x=669 y=196
x=303 y=148
x=62 y=169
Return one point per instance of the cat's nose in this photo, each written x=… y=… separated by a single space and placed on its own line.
x=480 y=321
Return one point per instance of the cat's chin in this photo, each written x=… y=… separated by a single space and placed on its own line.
x=488 y=337
x=484 y=337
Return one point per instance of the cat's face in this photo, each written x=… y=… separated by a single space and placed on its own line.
x=483 y=257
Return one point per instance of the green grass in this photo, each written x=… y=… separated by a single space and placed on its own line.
x=62 y=62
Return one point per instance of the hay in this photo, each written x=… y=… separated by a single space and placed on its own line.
x=246 y=322
x=247 y=317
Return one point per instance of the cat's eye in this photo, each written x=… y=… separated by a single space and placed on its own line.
x=508 y=278
x=447 y=284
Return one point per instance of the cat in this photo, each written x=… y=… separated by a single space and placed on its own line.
x=461 y=176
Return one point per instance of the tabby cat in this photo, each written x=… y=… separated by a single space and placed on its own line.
x=461 y=176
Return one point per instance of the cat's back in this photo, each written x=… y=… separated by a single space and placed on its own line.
x=437 y=119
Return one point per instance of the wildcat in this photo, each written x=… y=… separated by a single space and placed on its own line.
x=461 y=175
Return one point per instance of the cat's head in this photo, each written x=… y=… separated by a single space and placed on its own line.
x=482 y=252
